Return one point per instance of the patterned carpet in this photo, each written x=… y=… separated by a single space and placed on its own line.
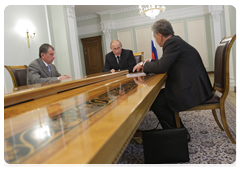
x=209 y=145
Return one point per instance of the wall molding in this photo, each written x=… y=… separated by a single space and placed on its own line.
x=106 y=12
x=125 y=9
x=89 y=29
x=70 y=10
x=87 y=17
x=106 y=28
x=204 y=44
x=131 y=37
x=144 y=20
x=47 y=22
x=73 y=41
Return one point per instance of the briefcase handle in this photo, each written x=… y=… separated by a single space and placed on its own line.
x=165 y=123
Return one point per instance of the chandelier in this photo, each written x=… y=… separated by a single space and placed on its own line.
x=151 y=10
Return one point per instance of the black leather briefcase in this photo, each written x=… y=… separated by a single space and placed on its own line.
x=165 y=146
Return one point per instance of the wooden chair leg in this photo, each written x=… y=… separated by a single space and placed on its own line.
x=225 y=125
x=177 y=119
x=216 y=119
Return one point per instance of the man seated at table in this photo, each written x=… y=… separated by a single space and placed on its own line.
x=41 y=69
x=119 y=59
x=187 y=83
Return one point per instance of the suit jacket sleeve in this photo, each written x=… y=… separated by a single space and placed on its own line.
x=36 y=74
x=171 y=53
x=107 y=66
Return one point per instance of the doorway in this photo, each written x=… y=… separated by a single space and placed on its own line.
x=93 y=57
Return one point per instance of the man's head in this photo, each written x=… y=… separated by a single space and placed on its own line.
x=46 y=53
x=162 y=29
x=116 y=47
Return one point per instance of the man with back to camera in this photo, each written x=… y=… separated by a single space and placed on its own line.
x=119 y=59
x=187 y=83
x=41 y=69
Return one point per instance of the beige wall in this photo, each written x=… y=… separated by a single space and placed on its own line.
x=16 y=20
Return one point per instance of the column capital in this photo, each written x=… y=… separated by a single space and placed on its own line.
x=70 y=10
x=215 y=11
x=106 y=28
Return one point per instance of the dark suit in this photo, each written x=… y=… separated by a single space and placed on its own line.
x=127 y=61
x=37 y=72
x=187 y=84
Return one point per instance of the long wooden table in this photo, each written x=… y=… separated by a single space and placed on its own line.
x=35 y=91
x=90 y=124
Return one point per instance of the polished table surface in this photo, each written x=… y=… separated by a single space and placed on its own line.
x=90 y=124
x=34 y=91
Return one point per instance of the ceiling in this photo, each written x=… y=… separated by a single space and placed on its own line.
x=84 y=10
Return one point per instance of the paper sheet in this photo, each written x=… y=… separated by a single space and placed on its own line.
x=135 y=74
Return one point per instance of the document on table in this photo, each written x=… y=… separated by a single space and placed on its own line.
x=135 y=75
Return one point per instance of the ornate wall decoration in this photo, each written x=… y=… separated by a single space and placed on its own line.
x=70 y=10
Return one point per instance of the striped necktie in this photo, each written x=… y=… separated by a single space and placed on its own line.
x=49 y=70
x=119 y=61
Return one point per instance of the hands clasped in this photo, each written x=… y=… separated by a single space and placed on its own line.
x=64 y=77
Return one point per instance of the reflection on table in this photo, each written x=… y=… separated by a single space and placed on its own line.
x=91 y=124
x=35 y=91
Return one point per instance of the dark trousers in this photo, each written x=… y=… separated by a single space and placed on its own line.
x=163 y=112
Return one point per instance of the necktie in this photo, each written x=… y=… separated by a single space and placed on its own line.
x=49 y=70
x=119 y=61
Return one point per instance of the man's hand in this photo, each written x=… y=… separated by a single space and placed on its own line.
x=64 y=77
x=112 y=71
x=137 y=67
x=148 y=60
x=67 y=76
x=139 y=81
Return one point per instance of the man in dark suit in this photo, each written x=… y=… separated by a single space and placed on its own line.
x=119 y=59
x=187 y=84
x=42 y=70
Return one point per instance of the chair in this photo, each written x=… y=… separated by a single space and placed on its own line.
x=18 y=74
x=221 y=84
x=138 y=57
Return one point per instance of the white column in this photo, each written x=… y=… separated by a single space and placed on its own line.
x=106 y=29
x=216 y=11
x=228 y=33
x=74 y=41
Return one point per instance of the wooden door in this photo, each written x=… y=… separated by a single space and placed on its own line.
x=92 y=49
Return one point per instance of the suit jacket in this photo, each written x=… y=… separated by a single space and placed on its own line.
x=187 y=84
x=37 y=72
x=127 y=61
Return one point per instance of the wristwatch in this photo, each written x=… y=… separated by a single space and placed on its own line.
x=141 y=64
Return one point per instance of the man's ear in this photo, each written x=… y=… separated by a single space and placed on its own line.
x=42 y=54
x=160 y=35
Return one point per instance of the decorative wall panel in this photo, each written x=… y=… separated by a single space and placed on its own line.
x=143 y=38
x=126 y=39
x=178 y=29
x=197 y=37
